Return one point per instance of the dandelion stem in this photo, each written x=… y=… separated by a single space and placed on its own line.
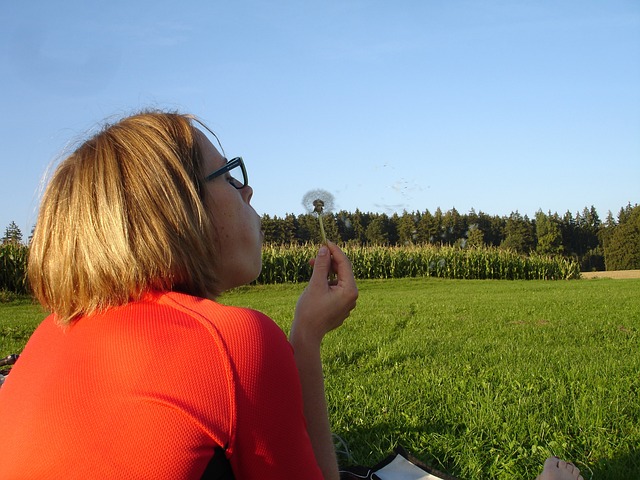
x=324 y=236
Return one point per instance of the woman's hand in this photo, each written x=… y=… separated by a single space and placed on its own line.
x=325 y=304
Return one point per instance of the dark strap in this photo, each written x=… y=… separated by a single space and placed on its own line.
x=10 y=360
x=219 y=467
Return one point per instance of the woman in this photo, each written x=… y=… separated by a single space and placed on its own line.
x=139 y=372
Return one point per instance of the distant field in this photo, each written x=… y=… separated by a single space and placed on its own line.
x=483 y=379
x=617 y=274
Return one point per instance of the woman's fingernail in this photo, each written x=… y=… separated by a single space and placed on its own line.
x=323 y=251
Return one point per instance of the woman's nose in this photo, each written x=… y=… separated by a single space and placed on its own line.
x=247 y=193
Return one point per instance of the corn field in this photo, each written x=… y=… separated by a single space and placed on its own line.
x=281 y=264
x=291 y=263
x=13 y=268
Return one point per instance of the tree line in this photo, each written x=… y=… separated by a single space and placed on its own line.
x=612 y=244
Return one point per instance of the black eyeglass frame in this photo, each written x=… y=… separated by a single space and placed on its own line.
x=230 y=165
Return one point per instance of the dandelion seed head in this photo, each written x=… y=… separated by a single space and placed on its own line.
x=318 y=201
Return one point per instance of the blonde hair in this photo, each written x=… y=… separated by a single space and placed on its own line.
x=123 y=215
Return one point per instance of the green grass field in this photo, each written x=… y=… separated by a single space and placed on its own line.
x=482 y=379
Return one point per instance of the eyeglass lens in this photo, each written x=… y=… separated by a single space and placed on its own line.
x=237 y=174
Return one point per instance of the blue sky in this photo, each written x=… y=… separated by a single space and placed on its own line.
x=409 y=105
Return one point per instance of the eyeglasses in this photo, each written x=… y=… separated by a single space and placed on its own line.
x=237 y=171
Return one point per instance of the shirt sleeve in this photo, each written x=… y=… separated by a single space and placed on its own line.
x=270 y=440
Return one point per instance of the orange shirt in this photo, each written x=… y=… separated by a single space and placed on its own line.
x=148 y=390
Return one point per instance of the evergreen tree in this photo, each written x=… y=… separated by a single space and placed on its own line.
x=12 y=234
x=331 y=228
x=392 y=229
x=624 y=213
x=454 y=227
x=587 y=226
x=407 y=229
x=475 y=237
x=269 y=227
x=377 y=232
x=359 y=223
x=308 y=229
x=345 y=227
x=548 y=234
x=492 y=227
x=623 y=249
x=518 y=234
x=289 y=229
x=425 y=227
x=606 y=231
x=568 y=232
x=437 y=229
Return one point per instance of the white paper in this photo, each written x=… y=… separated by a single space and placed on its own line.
x=402 y=469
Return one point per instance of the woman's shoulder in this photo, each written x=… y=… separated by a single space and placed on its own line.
x=248 y=336
x=224 y=318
